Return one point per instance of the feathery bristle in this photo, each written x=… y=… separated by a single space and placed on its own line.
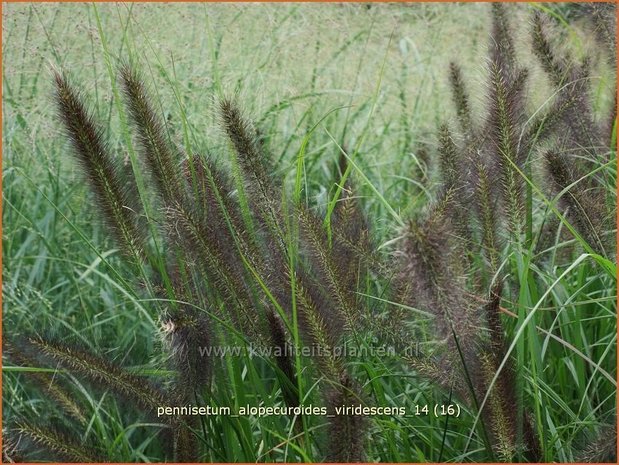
x=572 y=82
x=198 y=237
x=505 y=118
x=102 y=371
x=212 y=192
x=585 y=133
x=351 y=246
x=114 y=190
x=187 y=333
x=443 y=372
x=460 y=98
x=161 y=161
x=602 y=17
x=431 y=263
x=454 y=178
x=244 y=141
x=585 y=208
x=492 y=310
x=351 y=239
x=349 y=221
x=323 y=260
x=448 y=158
x=552 y=64
x=60 y=443
x=603 y=448
x=499 y=413
x=50 y=383
x=544 y=125
x=214 y=205
x=422 y=262
x=262 y=190
x=185 y=443
x=318 y=327
x=486 y=210
x=506 y=109
x=283 y=359
x=346 y=432
x=502 y=49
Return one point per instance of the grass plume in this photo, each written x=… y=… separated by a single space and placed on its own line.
x=59 y=443
x=100 y=370
x=114 y=191
x=162 y=163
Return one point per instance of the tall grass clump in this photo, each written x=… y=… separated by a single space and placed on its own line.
x=226 y=261
x=476 y=243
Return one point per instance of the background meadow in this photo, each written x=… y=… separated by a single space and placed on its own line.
x=315 y=79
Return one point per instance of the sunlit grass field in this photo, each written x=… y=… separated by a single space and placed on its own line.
x=368 y=79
